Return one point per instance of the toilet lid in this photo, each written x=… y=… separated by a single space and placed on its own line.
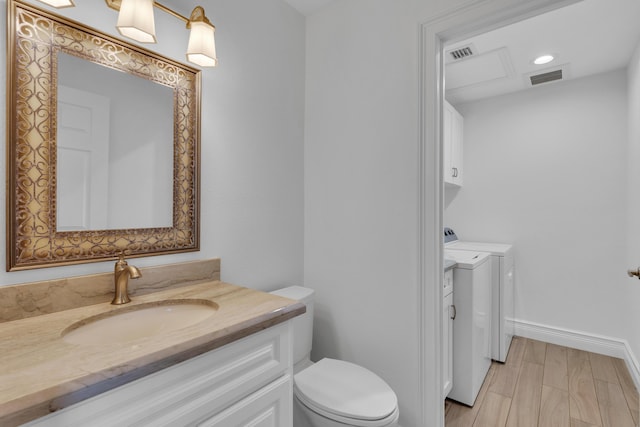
x=344 y=389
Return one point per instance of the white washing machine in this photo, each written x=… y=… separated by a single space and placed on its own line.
x=502 y=284
x=472 y=324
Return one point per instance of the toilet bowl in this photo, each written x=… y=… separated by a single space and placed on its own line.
x=337 y=393
x=334 y=393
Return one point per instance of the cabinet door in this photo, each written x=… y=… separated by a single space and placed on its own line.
x=448 y=314
x=270 y=406
x=447 y=142
x=457 y=139
x=453 y=135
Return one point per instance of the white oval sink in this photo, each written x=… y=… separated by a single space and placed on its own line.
x=139 y=321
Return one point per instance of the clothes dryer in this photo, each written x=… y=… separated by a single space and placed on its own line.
x=502 y=289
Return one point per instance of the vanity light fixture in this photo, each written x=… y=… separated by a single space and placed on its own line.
x=543 y=59
x=202 y=47
x=136 y=21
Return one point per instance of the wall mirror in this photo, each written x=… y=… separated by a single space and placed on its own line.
x=103 y=145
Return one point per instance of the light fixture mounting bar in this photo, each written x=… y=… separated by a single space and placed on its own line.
x=170 y=12
x=115 y=5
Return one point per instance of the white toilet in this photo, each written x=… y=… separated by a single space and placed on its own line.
x=334 y=393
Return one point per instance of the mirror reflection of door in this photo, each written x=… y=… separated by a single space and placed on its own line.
x=83 y=160
x=137 y=148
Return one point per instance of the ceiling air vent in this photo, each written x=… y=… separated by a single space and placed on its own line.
x=462 y=52
x=546 y=77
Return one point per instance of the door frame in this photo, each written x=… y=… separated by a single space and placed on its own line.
x=466 y=20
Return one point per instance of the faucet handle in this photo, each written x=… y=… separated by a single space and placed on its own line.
x=122 y=253
x=121 y=262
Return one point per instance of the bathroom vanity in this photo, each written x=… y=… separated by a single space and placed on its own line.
x=247 y=382
x=232 y=368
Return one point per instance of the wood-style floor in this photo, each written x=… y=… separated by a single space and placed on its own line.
x=547 y=385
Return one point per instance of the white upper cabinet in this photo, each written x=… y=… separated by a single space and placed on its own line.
x=453 y=131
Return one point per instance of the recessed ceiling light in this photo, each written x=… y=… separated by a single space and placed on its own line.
x=544 y=59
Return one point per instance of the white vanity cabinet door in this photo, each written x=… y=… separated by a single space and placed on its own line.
x=197 y=389
x=453 y=136
x=271 y=406
x=448 y=315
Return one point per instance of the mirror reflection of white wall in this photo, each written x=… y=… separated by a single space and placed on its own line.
x=137 y=189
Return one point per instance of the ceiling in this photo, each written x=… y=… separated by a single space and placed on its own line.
x=589 y=37
x=308 y=7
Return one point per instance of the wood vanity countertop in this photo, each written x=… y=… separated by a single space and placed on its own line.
x=41 y=373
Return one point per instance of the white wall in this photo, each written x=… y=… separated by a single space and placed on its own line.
x=546 y=170
x=361 y=188
x=631 y=289
x=252 y=139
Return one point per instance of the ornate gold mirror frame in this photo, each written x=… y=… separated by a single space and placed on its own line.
x=34 y=39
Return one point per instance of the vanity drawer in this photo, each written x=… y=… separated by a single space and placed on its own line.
x=190 y=391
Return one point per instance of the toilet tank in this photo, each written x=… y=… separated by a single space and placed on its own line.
x=303 y=324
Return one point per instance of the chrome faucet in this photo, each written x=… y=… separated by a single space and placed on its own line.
x=121 y=275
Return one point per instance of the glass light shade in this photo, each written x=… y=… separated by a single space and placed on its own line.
x=58 y=4
x=136 y=20
x=202 y=45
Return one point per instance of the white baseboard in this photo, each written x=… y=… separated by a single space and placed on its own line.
x=614 y=347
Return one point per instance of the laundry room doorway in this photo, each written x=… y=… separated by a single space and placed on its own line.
x=474 y=18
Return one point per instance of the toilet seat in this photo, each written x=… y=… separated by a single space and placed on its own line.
x=347 y=393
